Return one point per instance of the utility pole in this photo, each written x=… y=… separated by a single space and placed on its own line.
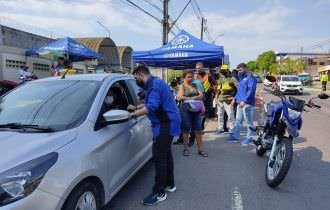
x=202 y=28
x=165 y=32
x=165 y=21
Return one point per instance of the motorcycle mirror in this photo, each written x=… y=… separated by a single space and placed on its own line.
x=271 y=78
x=323 y=96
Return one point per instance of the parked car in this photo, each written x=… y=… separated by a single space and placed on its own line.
x=258 y=78
x=316 y=78
x=290 y=84
x=6 y=85
x=64 y=145
x=305 y=78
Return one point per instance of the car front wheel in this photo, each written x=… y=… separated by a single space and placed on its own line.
x=84 y=197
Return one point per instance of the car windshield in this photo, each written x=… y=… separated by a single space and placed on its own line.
x=304 y=76
x=59 y=105
x=290 y=79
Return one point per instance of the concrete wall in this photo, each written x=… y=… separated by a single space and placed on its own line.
x=17 y=38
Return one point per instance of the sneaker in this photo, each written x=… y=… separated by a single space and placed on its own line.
x=178 y=142
x=247 y=142
x=154 y=198
x=170 y=188
x=218 y=131
x=232 y=139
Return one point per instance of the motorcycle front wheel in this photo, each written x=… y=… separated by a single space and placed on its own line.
x=277 y=169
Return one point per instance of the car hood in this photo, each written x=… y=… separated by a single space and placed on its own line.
x=290 y=83
x=17 y=148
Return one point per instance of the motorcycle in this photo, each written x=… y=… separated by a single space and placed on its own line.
x=282 y=122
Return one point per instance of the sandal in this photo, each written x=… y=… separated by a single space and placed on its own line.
x=186 y=153
x=202 y=153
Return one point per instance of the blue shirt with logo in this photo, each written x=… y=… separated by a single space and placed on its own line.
x=246 y=89
x=163 y=112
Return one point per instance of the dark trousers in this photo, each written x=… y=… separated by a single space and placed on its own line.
x=163 y=162
x=324 y=85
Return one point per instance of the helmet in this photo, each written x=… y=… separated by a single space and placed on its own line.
x=224 y=67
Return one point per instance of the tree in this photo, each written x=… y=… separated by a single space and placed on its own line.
x=171 y=74
x=266 y=61
x=252 y=66
x=293 y=66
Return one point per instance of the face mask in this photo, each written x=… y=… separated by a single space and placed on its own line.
x=224 y=73
x=108 y=100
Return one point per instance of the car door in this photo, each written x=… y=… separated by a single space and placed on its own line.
x=117 y=140
x=142 y=142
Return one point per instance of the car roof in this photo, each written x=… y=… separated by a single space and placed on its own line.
x=95 y=77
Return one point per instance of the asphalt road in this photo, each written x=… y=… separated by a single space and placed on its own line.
x=233 y=176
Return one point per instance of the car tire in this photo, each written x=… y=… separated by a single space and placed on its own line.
x=85 y=189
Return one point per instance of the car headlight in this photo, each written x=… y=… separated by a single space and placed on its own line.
x=21 y=181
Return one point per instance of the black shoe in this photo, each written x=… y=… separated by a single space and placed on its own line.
x=154 y=198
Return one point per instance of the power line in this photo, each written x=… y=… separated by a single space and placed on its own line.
x=141 y=9
x=318 y=45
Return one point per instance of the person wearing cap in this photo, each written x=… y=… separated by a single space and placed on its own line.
x=245 y=98
x=227 y=87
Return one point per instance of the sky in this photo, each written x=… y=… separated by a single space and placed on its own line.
x=249 y=27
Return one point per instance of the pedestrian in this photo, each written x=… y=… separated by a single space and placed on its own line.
x=191 y=107
x=59 y=67
x=160 y=107
x=208 y=83
x=68 y=68
x=245 y=98
x=192 y=132
x=324 y=80
x=24 y=74
x=227 y=89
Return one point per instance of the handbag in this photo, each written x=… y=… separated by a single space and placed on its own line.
x=194 y=106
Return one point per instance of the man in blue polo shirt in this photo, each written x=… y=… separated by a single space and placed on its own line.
x=161 y=109
x=245 y=98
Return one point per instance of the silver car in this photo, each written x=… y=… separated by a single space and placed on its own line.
x=63 y=146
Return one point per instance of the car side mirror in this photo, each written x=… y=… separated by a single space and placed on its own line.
x=323 y=96
x=271 y=78
x=116 y=116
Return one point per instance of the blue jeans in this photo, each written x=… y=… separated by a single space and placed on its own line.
x=244 y=113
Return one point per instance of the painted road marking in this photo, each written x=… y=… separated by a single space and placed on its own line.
x=237 y=202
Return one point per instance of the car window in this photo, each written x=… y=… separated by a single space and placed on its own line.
x=136 y=91
x=290 y=79
x=120 y=97
x=60 y=104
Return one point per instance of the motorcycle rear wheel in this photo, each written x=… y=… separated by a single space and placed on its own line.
x=277 y=170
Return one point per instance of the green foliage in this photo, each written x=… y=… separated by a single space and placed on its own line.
x=171 y=74
x=293 y=66
x=266 y=61
x=252 y=66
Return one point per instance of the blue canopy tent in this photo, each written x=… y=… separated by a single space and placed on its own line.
x=182 y=52
x=68 y=47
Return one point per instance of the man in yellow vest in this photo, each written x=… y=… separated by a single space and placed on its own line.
x=324 y=80
x=68 y=68
x=225 y=99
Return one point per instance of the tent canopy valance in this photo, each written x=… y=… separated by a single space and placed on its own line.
x=182 y=52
